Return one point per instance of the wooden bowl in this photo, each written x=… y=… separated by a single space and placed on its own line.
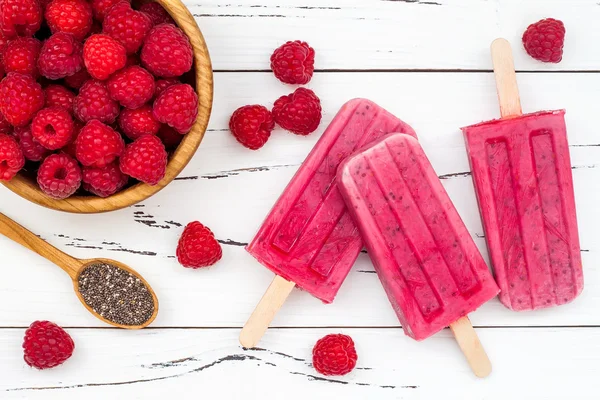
x=27 y=187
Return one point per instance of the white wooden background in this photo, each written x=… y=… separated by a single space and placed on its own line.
x=427 y=62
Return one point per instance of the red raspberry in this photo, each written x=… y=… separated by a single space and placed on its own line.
x=21 y=55
x=11 y=157
x=126 y=25
x=94 y=102
x=145 y=160
x=132 y=86
x=299 y=112
x=177 y=107
x=59 y=176
x=252 y=126
x=98 y=144
x=61 y=56
x=294 y=62
x=20 y=17
x=545 y=39
x=138 y=122
x=59 y=96
x=103 y=55
x=46 y=345
x=105 y=181
x=71 y=148
x=198 y=247
x=70 y=16
x=161 y=84
x=167 y=51
x=3 y=44
x=334 y=355
x=77 y=80
x=169 y=136
x=101 y=7
x=32 y=149
x=158 y=15
x=53 y=128
x=5 y=127
x=21 y=97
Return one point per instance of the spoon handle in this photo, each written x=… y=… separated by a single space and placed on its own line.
x=16 y=232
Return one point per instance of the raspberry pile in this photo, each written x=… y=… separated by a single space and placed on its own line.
x=298 y=112
x=93 y=93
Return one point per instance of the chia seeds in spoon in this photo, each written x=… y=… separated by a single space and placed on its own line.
x=116 y=294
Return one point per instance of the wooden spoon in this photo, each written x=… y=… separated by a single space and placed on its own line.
x=70 y=265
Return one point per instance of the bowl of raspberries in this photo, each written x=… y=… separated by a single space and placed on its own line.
x=102 y=102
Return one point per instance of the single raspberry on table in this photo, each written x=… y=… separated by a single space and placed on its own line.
x=294 y=62
x=77 y=80
x=11 y=157
x=103 y=55
x=158 y=15
x=127 y=25
x=21 y=55
x=545 y=39
x=252 y=126
x=53 y=127
x=98 y=145
x=138 y=122
x=21 y=97
x=46 y=345
x=167 y=51
x=101 y=7
x=169 y=136
x=161 y=84
x=177 y=106
x=145 y=160
x=131 y=86
x=70 y=16
x=94 y=102
x=104 y=181
x=20 y=17
x=198 y=247
x=334 y=355
x=299 y=112
x=59 y=176
x=59 y=96
x=32 y=149
x=61 y=56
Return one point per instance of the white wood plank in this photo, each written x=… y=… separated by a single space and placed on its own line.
x=156 y=364
x=401 y=34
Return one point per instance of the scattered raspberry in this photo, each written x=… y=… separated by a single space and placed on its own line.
x=21 y=55
x=198 y=247
x=98 y=144
x=77 y=80
x=126 y=25
x=161 y=84
x=167 y=51
x=169 y=136
x=138 y=122
x=21 y=97
x=59 y=176
x=46 y=345
x=158 y=15
x=20 y=18
x=103 y=55
x=334 y=355
x=32 y=149
x=177 y=107
x=61 y=56
x=59 y=96
x=70 y=16
x=5 y=127
x=11 y=157
x=52 y=127
x=252 y=126
x=132 y=86
x=101 y=7
x=294 y=63
x=94 y=102
x=104 y=181
x=299 y=112
x=545 y=39
x=145 y=160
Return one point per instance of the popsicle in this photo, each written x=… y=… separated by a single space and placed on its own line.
x=308 y=239
x=429 y=266
x=524 y=186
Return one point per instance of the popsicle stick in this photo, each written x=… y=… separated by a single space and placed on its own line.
x=469 y=343
x=265 y=311
x=506 y=79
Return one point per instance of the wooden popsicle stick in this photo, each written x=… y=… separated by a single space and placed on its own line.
x=265 y=311
x=469 y=343
x=506 y=79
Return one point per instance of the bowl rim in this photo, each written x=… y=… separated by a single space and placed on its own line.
x=28 y=189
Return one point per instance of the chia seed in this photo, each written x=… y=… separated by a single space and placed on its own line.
x=116 y=294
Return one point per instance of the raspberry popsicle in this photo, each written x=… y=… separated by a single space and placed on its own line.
x=524 y=185
x=430 y=267
x=308 y=239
